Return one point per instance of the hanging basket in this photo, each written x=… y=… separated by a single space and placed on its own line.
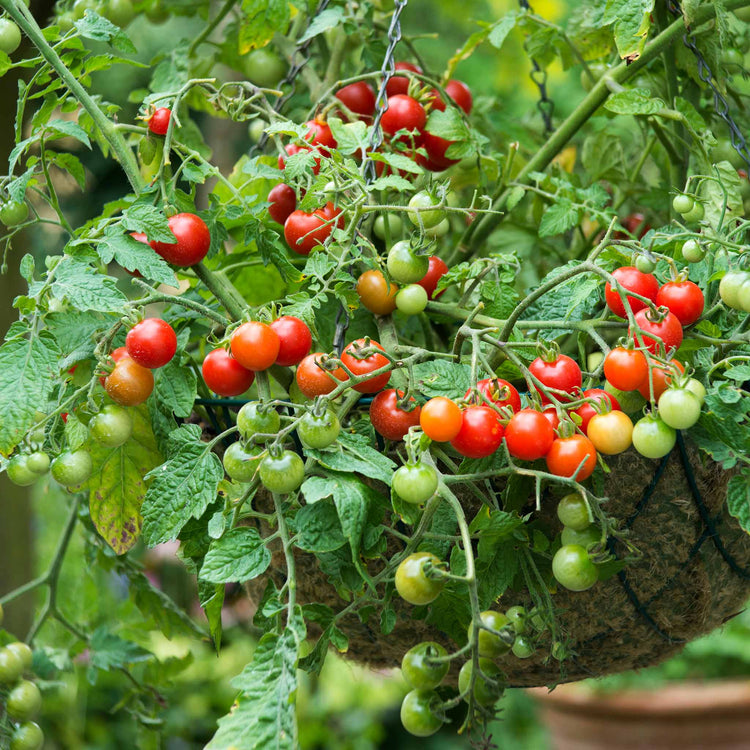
x=693 y=575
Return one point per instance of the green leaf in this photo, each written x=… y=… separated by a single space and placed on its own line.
x=442 y=378
x=634 y=102
x=261 y=20
x=631 y=25
x=146 y=218
x=318 y=528
x=738 y=499
x=181 y=488
x=28 y=372
x=558 y=218
x=135 y=256
x=68 y=129
x=514 y=197
x=330 y=18
x=263 y=716
x=497 y=566
x=93 y=26
x=239 y=555
x=85 y=289
x=502 y=28
x=175 y=389
x=211 y=597
x=720 y=208
x=117 y=486
x=352 y=453
x=108 y=651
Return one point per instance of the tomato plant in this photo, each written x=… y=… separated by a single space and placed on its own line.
x=158 y=123
x=413 y=581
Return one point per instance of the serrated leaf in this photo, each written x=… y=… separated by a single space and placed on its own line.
x=182 y=487
x=330 y=18
x=515 y=196
x=85 y=289
x=502 y=28
x=238 y=556
x=631 y=20
x=261 y=20
x=558 y=218
x=634 y=102
x=135 y=256
x=108 y=651
x=318 y=528
x=175 y=389
x=353 y=453
x=442 y=378
x=146 y=218
x=68 y=129
x=28 y=371
x=117 y=486
x=738 y=499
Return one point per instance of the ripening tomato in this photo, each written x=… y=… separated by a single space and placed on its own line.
x=282 y=200
x=375 y=293
x=320 y=136
x=625 y=369
x=611 y=433
x=459 y=92
x=351 y=359
x=500 y=392
x=312 y=379
x=561 y=373
x=400 y=84
x=304 y=231
x=481 y=432
x=295 y=340
x=389 y=419
x=568 y=453
x=668 y=329
x=435 y=271
x=631 y=280
x=661 y=378
x=151 y=343
x=403 y=113
x=255 y=345
x=358 y=97
x=192 y=241
x=529 y=435
x=586 y=410
x=129 y=384
x=441 y=419
x=682 y=298
x=158 y=123
x=224 y=375
x=435 y=146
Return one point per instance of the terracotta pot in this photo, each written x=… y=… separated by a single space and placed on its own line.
x=687 y=716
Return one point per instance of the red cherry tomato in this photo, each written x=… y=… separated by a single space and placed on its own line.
x=441 y=419
x=158 y=123
x=255 y=345
x=435 y=146
x=400 y=84
x=292 y=149
x=303 y=231
x=312 y=379
x=481 y=432
x=661 y=378
x=329 y=211
x=388 y=419
x=435 y=271
x=567 y=454
x=295 y=340
x=500 y=392
x=632 y=280
x=349 y=358
x=193 y=241
x=625 y=369
x=562 y=373
x=151 y=343
x=668 y=330
x=403 y=113
x=320 y=136
x=636 y=224
x=458 y=92
x=529 y=435
x=283 y=201
x=224 y=375
x=684 y=299
x=587 y=410
x=358 y=97
x=551 y=415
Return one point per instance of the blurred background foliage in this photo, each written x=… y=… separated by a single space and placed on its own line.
x=348 y=707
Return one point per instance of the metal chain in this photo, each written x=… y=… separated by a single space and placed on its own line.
x=538 y=75
x=300 y=58
x=739 y=142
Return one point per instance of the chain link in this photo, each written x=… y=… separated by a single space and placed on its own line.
x=538 y=75
x=721 y=106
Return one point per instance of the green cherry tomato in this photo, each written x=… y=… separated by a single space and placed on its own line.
x=112 y=426
x=10 y=36
x=282 y=474
x=488 y=685
x=319 y=432
x=156 y=12
x=573 y=569
x=573 y=511
x=585 y=538
x=679 y=408
x=697 y=389
x=729 y=288
x=19 y=472
x=743 y=296
x=425 y=218
x=523 y=648
x=28 y=736
x=683 y=204
x=419 y=669
x=415 y=483
x=13 y=213
x=394 y=223
x=412 y=581
x=72 y=468
x=693 y=251
x=81 y=6
x=416 y=715
x=263 y=67
x=24 y=701
x=695 y=214
x=255 y=418
x=411 y=299
x=518 y=617
x=404 y=265
x=119 y=12
x=490 y=644
x=11 y=666
x=439 y=230
x=644 y=264
x=241 y=464
x=652 y=437
x=38 y=462
x=23 y=652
